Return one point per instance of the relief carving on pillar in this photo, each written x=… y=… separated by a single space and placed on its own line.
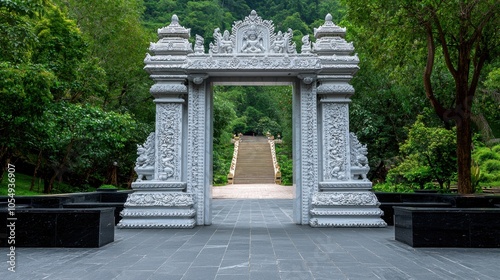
x=335 y=121
x=144 y=166
x=196 y=146
x=169 y=116
x=309 y=172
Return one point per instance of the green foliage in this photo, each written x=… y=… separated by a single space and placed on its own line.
x=428 y=154
x=286 y=165
x=266 y=125
x=488 y=162
x=61 y=47
x=251 y=110
x=476 y=176
x=391 y=187
x=108 y=187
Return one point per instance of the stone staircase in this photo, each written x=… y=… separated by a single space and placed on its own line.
x=255 y=164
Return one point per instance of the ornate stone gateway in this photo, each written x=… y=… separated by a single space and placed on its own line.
x=173 y=189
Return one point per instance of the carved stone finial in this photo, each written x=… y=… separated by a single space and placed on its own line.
x=174 y=29
x=253 y=15
x=330 y=39
x=329 y=29
x=328 y=18
x=175 y=20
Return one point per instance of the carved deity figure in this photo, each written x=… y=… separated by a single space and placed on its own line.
x=198 y=45
x=306 y=44
x=278 y=45
x=223 y=43
x=252 y=41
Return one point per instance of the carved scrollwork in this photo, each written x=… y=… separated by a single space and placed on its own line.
x=265 y=63
x=334 y=134
x=167 y=199
x=344 y=198
x=168 y=139
x=196 y=146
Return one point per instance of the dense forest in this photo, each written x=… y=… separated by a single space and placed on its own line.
x=75 y=100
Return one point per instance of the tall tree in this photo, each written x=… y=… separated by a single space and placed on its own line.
x=463 y=34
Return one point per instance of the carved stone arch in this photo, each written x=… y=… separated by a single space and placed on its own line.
x=330 y=165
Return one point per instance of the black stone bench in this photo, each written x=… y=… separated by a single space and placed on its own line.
x=117 y=206
x=58 y=227
x=448 y=227
x=388 y=209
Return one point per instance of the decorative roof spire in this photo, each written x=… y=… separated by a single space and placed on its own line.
x=174 y=29
x=329 y=29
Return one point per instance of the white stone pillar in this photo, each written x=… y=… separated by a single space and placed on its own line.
x=344 y=197
x=160 y=199
x=199 y=146
x=306 y=148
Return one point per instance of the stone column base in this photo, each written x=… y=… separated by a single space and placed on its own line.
x=356 y=208
x=158 y=209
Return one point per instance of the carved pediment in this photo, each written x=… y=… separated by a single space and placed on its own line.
x=253 y=35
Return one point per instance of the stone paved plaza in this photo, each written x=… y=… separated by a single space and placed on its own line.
x=254 y=239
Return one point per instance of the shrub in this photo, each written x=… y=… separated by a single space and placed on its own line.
x=484 y=154
x=492 y=166
x=496 y=149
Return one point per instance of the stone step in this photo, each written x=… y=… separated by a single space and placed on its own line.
x=254 y=164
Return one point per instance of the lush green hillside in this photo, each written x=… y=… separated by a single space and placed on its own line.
x=75 y=100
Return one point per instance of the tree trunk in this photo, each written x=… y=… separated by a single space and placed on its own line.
x=38 y=162
x=464 y=141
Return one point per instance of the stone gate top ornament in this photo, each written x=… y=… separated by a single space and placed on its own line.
x=253 y=35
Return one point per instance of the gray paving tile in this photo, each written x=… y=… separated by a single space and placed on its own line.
x=254 y=239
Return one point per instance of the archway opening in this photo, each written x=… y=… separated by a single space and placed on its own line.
x=252 y=141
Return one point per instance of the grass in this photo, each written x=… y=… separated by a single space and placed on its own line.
x=23 y=183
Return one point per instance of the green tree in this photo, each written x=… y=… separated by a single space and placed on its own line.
x=117 y=38
x=460 y=34
x=63 y=50
x=83 y=140
x=428 y=154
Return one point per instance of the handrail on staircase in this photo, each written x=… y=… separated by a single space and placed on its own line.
x=277 y=171
x=230 y=176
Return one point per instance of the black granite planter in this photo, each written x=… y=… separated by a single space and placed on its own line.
x=448 y=227
x=50 y=227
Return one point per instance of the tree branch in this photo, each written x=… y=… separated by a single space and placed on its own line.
x=444 y=45
x=440 y=110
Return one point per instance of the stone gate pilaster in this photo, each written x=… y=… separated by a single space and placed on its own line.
x=307 y=148
x=160 y=199
x=343 y=198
